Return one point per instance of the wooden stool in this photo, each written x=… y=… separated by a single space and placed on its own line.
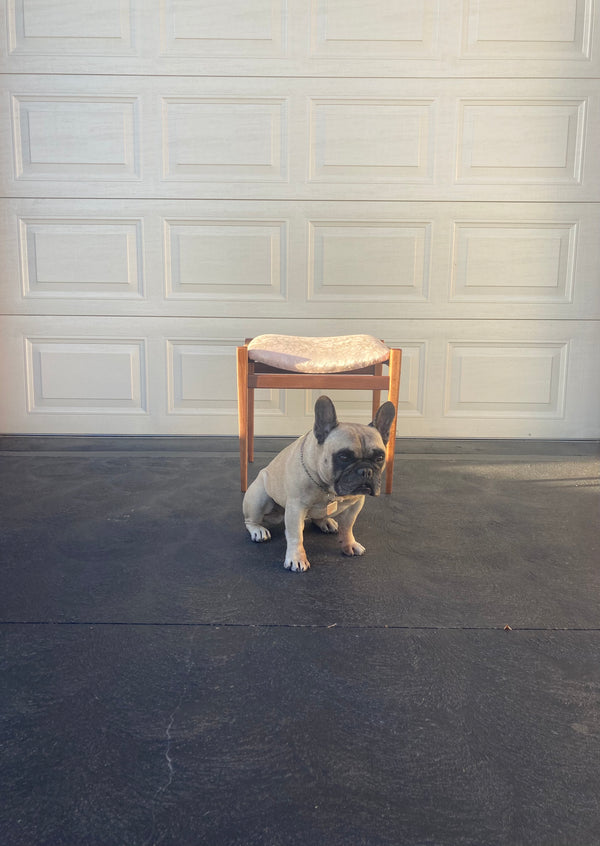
x=347 y=362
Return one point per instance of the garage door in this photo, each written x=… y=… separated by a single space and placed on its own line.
x=178 y=175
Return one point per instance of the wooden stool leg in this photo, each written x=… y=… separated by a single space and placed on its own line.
x=251 y=425
x=377 y=371
x=242 y=386
x=395 y=366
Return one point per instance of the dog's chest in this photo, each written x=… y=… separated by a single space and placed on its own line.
x=329 y=509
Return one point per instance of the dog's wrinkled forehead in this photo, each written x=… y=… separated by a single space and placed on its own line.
x=362 y=440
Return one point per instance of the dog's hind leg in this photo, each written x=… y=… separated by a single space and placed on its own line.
x=257 y=504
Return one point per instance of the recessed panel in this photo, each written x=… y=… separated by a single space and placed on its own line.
x=228 y=28
x=88 y=138
x=225 y=140
x=70 y=258
x=378 y=29
x=502 y=262
x=506 y=380
x=371 y=141
x=202 y=380
x=102 y=28
x=357 y=405
x=528 y=29
x=520 y=142
x=226 y=260
x=368 y=261
x=86 y=377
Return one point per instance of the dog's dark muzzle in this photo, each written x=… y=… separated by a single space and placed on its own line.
x=361 y=479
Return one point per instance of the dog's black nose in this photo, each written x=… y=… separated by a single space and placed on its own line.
x=365 y=472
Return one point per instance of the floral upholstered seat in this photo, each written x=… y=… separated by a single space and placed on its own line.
x=337 y=354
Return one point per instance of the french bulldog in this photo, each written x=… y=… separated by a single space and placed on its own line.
x=323 y=476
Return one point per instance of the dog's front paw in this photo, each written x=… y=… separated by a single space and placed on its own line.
x=258 y=533
x=353 y=548
x=327 y=525
x=297 y=563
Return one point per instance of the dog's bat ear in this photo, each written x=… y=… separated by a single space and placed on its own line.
x=384 y=419
x=325 y=418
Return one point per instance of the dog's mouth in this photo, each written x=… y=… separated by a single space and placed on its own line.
x=364 y=490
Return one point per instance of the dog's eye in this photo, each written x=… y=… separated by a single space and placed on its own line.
x=379 y=457
x=345 y=457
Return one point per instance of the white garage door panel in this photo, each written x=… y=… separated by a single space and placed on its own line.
x=229 y=259
x=230 y=28
x=199 y=382
x=322 y=38
x=74 y=138
x=558 y=29
x=296 y=138
x=163 y=375
x=194 y=130
x=366 y=141
x=78 y=259
x=487 y=379
x=370 y=262
x=70 y=376
x=523 y=262
x=36 y=27
x=226 y=261
x=411 y=398
x=519 y=141
x=352 y=29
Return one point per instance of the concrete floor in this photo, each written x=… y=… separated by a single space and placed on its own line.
x=166 y=681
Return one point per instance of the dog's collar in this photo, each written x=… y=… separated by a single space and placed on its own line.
x=317 y=482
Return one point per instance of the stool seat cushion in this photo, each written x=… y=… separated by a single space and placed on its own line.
x=318 y=355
